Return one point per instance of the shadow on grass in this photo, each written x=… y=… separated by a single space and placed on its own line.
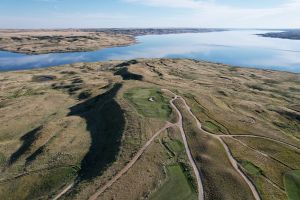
x=28 y=139
x=105 y=122
x=126 y=75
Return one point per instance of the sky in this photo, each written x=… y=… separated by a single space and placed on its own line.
x=149 y=13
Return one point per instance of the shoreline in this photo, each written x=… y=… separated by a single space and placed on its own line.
x=45 y=41
x=155 y=59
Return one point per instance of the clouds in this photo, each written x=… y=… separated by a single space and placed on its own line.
x=150 y=13
x=213 y=13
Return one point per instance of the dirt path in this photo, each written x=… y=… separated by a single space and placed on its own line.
x=122 y=172
x=263 y=137
x=130 y=164
x=230 y=157
x=64 y=191
x=139 y=154
x=179 y=124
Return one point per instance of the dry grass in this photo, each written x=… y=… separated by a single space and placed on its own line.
x=39 y=42
x=39 y=132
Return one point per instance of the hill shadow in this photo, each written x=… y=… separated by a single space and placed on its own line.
x=28 y=139
x=105 y=123
x=126 y=75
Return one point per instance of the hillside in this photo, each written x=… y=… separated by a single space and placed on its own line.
x=148 y=129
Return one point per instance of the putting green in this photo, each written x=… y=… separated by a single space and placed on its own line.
x=149 y=102
x=292 y=184
x=176 y=187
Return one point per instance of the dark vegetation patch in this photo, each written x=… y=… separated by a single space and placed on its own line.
x=223 y=93
x=77 y=80
x=255 y=87
x=126 y=75
x=288 y=114
x=294 y=89
x=233 y=69
x=84 y=95
x=70 y=88
x=295 y=107
x=126 y=64
x=43 y=78
x=251 y=168
x=105 y=123
x=28 y=139
x=34 y=155
x=225 y=78
x=153 y=69
x=68 y=72
x=211 y=127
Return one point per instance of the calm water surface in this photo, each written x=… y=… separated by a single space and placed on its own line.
x=239 y=48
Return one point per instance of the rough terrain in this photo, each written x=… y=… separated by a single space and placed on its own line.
x=124 y=130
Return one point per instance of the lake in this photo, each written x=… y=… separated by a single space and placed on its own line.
x=239 y=48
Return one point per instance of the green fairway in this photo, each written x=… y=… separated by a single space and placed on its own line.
x=251 y=168
x=175 y=146
x=292 y=184
x=211 y=127
x=157 y=107
x=176 y=187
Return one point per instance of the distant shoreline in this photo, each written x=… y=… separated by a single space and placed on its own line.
x=289 y=34
x=43 y=41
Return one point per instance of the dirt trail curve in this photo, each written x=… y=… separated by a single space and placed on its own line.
x=230 y=157
x=196 y=171
x=179 y=124
x=123 y=171
x=129 y=165
x=139 y=154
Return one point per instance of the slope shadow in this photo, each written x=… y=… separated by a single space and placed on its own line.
x=105 y=123
x=28 y=139
x=126 y=75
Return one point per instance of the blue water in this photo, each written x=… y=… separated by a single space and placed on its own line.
x=238 y=48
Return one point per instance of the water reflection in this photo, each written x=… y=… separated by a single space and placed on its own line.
x=240 y=48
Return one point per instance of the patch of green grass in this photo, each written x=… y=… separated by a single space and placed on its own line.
x=251 y=168
x=174 y=146
x=292 y=184
x=158 y=108
x=2 y=159
x=37 y=185
x=177 y=186
x=211 y=127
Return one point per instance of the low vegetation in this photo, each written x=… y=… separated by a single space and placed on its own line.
x=176 y=187
x=84 y=122
x=292 y=184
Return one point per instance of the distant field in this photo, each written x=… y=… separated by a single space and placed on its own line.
x=292 y=184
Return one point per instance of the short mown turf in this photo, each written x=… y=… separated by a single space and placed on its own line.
x=292 y=184
x=157 y=108
x=176 y=187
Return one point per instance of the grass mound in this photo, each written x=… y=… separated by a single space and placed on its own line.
x=176 y=187
x=211 y=127
x=251 y=168
x=140 y=98
x=292 y=184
